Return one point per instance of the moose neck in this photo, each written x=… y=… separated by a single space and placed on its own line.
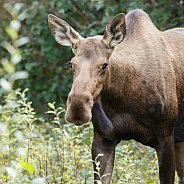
x=136 y=72
x=124 y=85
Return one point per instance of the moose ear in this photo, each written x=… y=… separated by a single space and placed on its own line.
x=63 y=33
x=115 y=31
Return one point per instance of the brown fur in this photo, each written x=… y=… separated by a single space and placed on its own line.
x=139 y=82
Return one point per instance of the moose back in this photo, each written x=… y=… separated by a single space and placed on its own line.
x=130 y=83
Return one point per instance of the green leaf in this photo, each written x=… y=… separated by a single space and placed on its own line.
x=6 y=85
x=100 y=155
x=12 y=33
x=8 y=47
x=8 y=67
x=51 y=105
x=15 y=25
x=5 y=177
x=39 y=181
x=16 y=58
x=22 y=41
x=57 y=122
x=12 y=172
x=106 y=175
x=28 y=166
x=50 y=112
x=20 y=75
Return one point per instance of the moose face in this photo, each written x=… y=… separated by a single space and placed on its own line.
x=90 y=65
x=90 y=70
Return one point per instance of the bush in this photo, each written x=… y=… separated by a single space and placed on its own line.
x=36 y=151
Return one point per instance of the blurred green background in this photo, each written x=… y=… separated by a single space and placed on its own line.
x=37 y=146
x=49 y=78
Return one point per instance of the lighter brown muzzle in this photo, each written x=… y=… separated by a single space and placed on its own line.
x=79 y=107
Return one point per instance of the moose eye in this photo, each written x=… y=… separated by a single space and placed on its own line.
x=104 y=66
x=69 y=64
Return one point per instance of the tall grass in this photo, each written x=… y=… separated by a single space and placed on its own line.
x=46 y=152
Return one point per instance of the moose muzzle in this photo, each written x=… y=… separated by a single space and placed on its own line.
x=79 y=107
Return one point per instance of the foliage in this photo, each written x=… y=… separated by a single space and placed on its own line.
x=36 y=149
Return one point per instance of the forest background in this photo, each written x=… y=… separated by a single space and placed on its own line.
x=37 y=146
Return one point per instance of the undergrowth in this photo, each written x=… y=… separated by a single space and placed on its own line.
x=34 y=150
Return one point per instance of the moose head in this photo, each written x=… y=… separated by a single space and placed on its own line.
x=90 y=65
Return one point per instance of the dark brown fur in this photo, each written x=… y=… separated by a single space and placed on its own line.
x=134 y=86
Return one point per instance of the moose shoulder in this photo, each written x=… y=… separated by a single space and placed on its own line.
x=130 y=83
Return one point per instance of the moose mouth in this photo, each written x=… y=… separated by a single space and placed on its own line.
x=78 y=116
x=78 y=124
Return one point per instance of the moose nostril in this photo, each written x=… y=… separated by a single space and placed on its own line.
x=89 y=99
x=80 y=98
x=69 y=97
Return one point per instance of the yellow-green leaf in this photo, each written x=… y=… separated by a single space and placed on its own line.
x=28 y=166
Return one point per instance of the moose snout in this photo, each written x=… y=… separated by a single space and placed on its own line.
x=78 y=108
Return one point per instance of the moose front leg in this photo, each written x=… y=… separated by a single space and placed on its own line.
x=166 y=160
x=105 y=147
x=179 y=152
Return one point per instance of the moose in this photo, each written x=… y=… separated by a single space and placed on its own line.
x=130 y=83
